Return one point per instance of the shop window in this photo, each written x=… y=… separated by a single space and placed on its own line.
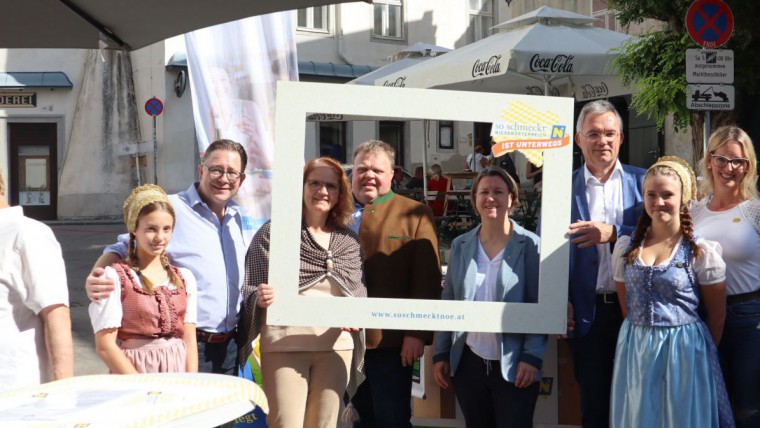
x=332 y=140
x=445 y=134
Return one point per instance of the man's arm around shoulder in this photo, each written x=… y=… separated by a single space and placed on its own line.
x=98 y=286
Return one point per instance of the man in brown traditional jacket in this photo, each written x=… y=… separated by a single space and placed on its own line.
x=400 y=247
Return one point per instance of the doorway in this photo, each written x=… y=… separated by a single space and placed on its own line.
x=34 y=169
x=392 y=132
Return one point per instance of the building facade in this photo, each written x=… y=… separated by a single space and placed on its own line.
x=75 y=137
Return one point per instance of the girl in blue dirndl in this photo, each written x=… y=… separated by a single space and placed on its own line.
x=666 y=367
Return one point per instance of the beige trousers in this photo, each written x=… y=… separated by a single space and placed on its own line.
x=305 y=389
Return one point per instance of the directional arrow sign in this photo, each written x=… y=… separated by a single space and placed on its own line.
x=710 y=97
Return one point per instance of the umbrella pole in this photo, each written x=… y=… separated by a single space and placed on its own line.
x=426 y=124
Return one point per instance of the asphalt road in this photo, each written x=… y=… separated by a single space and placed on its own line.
x=82 y=244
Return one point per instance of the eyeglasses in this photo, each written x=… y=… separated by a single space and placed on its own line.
x=315 y=185
x=597 y=135
x=216 y=173
x=721 y=161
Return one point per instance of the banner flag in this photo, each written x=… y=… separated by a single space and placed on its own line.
x=234 y=69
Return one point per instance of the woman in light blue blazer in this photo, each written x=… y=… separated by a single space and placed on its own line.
x=495 y=375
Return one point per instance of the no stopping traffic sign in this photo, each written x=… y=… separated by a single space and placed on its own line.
x=709 y=23
x=154 y=106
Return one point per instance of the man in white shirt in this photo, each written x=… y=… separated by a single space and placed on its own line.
x=605 y=205
x=34 y=298
x=476 y=162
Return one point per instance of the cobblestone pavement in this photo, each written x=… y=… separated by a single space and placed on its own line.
x=82 y=244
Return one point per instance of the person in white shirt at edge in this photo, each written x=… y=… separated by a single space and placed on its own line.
x=34 y=302
x=208 y=240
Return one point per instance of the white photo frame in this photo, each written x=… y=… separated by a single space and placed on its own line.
x=296 y=100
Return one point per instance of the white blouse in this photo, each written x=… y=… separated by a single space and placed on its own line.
x=709 y=267
x=486 y=345
x=741 y=244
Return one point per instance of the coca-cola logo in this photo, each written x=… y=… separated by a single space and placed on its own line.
x=558 y=64
x=537 y=90
x=595 y=91
x=318 y=117
x=484 y=68
x=398 y=83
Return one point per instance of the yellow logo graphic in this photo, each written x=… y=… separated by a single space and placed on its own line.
x=529 y=131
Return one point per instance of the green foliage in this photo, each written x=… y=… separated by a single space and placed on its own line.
x=655 y=63
x=636 y=11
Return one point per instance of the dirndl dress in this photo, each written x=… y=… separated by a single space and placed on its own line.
x=666 y=365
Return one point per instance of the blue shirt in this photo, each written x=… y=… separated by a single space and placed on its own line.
x=357 y=215
x=213 y=251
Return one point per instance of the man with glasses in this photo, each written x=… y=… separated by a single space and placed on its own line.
x=207 y=239
x=605 y=205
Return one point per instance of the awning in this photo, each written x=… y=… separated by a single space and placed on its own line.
x=178 y=61
x=328 y=69
x=34 y=79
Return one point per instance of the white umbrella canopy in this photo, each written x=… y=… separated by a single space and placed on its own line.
x=403 y=59
x=394 y=67
x=419 y=49
x=545 y=50
x=127 y=24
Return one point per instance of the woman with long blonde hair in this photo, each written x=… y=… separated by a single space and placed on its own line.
x=730 y=215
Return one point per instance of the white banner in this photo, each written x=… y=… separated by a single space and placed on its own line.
x=234 y=69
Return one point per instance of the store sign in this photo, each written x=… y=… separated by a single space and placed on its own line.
x=18 y=99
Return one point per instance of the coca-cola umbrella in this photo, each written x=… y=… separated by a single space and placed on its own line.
x=403 y=59
x=547 y=51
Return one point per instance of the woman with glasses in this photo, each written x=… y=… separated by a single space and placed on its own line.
x=306 y=370
x=730 y=215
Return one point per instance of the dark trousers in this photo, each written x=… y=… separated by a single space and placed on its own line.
x=487 y=400
x=740 y=359
x=384 y=399
x=594 y=360
x=218 y=357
